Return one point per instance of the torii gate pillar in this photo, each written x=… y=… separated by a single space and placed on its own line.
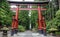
x=17 y=12
x=15 y=19
x=39 y=19
x=41 y=22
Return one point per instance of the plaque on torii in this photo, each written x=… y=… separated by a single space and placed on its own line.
x=40 y=17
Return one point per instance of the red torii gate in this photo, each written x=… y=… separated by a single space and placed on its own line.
x=41 y=22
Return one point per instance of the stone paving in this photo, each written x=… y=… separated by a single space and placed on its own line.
x=26 y=34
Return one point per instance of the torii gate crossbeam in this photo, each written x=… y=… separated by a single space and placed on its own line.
x=28 y=8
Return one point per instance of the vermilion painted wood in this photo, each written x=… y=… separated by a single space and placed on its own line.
x=28 y=9
x=29 y=3
x=43 y=23
x=13 y=21
x=16 y=22
x=39 y=18
x=39 y=15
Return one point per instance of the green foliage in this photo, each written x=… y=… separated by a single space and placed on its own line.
x=55 y=22
x=5 y=13
x=21 y=28
x=58 y=33
x=24 y=18
x=35 y=28
x=58 y=13
x=58 y=17
x=34 y=17
x=52 y=29
x=52 y=17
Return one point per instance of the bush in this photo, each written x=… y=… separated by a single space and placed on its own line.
x=34 y=30
x=21 y=28
x=52 y=29
x=57 y=33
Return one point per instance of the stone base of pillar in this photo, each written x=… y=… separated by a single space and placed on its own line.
x=40 y=31
x=44 y=33
x=15 y=31
x=12 y=32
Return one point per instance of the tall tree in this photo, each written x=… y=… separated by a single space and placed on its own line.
x=5 y=12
